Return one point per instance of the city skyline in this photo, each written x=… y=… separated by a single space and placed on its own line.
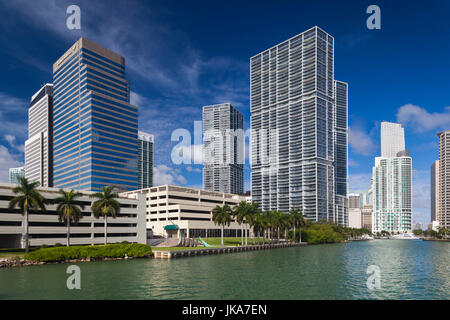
x=365 y=113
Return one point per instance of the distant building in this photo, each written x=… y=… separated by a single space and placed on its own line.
x=416 y=226
x=174 y=211
x=434 y=190
x=39 y=145
x=15 y=174
x=433 y=225
x=366 y=216
x=392 y=183
x=392 y=139
x=444 y=179
x=145 y=160
x=223 y=149
x=354 y=200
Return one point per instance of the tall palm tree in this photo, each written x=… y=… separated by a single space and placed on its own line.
x=27 y=198
x=299 y=220
x=258 y=224
x=287 y=222
x=250 y=217
x=68 y=209
x=268 y=219
x=278 y=222
x=222 y=216
x=239 y=213
x=106 y=204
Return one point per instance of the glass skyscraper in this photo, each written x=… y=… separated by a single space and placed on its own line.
x=145 y=160
x=392 y=182
x=39 y=145
x=95 y=126
x=223 y=149
x=299 y=129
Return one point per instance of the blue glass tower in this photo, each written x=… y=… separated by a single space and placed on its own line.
x=95 y=128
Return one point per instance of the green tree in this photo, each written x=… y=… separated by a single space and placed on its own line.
x=27 y=199
x=239 y=212
x=68 y=209
x=222 y=217
x=105 y=205
x=298 y=221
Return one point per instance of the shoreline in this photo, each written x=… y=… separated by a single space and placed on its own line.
x=11 y=262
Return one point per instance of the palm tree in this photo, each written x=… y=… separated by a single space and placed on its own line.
x=222 y=216
x=239 y=213
x=27 y=198
x=268 y=217
x=299 y=220
x=278 y=222
x=105 y=205
x=258 y=224
x=68 y=209
x=288 y=222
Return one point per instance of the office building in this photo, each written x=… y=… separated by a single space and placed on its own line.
x=15 y=174
x=39 y=145
x=45 y=228
x=392 y=139
x=145 y=160
x=299 y=129
x=354 y=210
x=434 y=190
x=174 y=211
x=95 y=126
x=223 y=149
x=416 y=226
x=392 y=184
x=444 y=179
x=366 y=216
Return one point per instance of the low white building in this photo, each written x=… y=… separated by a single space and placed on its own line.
x=45 y=229
x=173 y=211
x=433 y=225
x=354 y=218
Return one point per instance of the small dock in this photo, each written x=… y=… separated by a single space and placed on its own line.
x=219 y=250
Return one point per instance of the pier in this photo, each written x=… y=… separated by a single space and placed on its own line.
x=206 y=251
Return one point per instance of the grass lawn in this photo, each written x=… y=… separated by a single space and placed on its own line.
x=12 y=254
x=176 y=248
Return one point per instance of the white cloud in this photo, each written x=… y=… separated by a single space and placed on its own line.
x=191 y=169
x=165 y=175
x=420 y=120
x=7 y=161
x=359 y=182
x=352 y=163
x=360 y=141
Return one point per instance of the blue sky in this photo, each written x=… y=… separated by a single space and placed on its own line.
x=182 y=55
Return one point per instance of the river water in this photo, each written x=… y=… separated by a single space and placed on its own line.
x=409 y=269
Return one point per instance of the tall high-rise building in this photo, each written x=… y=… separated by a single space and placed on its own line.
x=434 y=190
x=223 y=149
x=15 y=174
x=39 y=145
x=299 y=128
x=95 y=131
x=444 y=179
x=392 y=184
x=392 y=139
x=145 y=160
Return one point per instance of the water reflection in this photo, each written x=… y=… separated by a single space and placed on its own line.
x=409 y=270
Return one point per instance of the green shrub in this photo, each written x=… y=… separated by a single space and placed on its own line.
x=135 y=250
x=321 y=233
x=58 y=244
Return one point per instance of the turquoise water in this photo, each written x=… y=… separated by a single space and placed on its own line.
x=410 y=269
